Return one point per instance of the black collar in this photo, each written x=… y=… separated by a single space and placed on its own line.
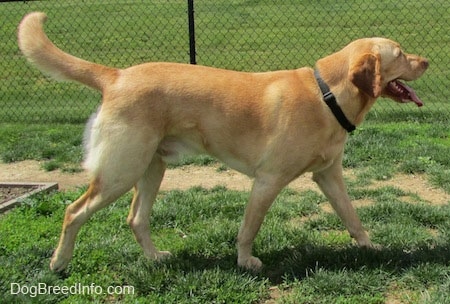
x=330 y=100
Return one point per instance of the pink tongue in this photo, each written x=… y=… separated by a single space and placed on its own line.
x=411 y=94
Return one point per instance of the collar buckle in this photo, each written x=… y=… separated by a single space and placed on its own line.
x=327 y=95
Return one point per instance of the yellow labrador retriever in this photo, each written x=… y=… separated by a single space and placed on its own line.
x=272 y=126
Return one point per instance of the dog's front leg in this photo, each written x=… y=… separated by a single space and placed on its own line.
x=264 y=192
x=331 y=182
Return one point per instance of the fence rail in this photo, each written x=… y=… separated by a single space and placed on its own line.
x=251 y=35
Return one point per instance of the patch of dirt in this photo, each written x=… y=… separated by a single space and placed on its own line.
x=186 y=177
x=31 y=171
x=8 y=193
x=416 y=184
x=179 y=178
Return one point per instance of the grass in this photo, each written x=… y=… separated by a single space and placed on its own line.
x=308 y=255
x=58 y=146
x=403 y=144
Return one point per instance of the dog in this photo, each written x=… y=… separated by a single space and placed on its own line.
x=271 y=126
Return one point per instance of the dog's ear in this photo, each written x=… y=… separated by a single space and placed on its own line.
x=366 y=75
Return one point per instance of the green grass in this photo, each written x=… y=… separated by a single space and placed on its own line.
x=58 y=146
x=384 y=146
x=307 y=252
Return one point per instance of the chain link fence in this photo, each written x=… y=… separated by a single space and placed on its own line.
x=250 y=35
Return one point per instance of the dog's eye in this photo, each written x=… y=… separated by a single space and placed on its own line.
x=397 y=52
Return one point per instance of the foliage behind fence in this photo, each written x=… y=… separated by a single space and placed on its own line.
x=247 y=35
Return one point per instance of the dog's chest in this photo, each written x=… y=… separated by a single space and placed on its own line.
x=326 y=156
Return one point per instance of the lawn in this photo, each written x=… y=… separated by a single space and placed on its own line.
x=308 y=255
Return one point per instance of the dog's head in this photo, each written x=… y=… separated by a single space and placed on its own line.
x=377 y=65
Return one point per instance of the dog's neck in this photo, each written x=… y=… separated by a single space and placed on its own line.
x=339 y=83
x=330 y=100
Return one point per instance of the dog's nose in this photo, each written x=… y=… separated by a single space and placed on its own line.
x=425 y=64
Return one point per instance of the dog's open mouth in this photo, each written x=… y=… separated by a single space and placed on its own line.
x=399 y=91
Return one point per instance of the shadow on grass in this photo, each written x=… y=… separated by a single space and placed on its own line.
x=301 y=261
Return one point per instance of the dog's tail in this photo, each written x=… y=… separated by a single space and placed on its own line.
x=39 y=50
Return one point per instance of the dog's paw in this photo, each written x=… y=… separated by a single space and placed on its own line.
x=159 y=255
x=58 y=263
x=162 y=255
x=252 y=264
x=370 y=246
x=374 y=246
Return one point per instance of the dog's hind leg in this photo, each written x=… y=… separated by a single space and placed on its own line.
x=116 y=171
x=95 y=198
x=144 y=196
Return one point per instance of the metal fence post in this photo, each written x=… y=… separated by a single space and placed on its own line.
x=191 y=32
